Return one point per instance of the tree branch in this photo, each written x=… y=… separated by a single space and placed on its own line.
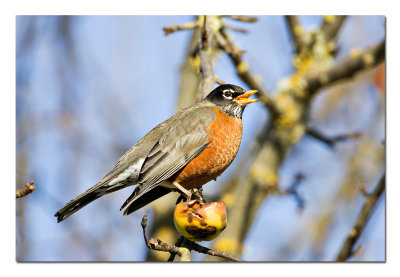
x=235 y=29
x=243 y=71
x=347 y=69
x=331 y=142
x=178 y=243
x=157 y=244
x=346 y=250
x=187 y=26
x=331 y=26
x=204 y=250
x=179 y=249
x=206 y=67
x=296 y=31
x=27 y=189
x=190 y=79
x=243 y=18
x=293 y=190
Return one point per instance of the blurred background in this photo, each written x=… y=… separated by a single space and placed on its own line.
x=89 y=87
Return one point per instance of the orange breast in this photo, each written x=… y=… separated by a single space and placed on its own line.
x=225 y=135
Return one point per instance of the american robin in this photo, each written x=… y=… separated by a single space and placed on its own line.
x=184 y=152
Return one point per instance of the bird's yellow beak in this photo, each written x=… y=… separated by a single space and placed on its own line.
x=244 y=100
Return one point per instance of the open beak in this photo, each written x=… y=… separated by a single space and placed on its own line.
x=244 y=98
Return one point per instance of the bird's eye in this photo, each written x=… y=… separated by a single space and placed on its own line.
x=227 y=93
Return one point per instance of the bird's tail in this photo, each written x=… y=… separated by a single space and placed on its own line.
x=138 y=200
x=85 y=198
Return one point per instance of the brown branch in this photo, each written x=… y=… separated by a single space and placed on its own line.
x=295 y=30
x=206 y=67
x=187 y=26
x=361 y=187
x=243 y=18
x=158 y=245
x=346 y=250
x=178 y=243
x=234 y=52
x=190 y=79
x=243 y=71
x=331 y=142
x=347 y=69
x=235 y=29
x=330 y=29
x=292 y=191
x=177 y=249
x=27 y=189
x=204 y=250
x=144 y=225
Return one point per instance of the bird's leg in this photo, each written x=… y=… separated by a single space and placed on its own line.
x=197 y=193
x=182 y=190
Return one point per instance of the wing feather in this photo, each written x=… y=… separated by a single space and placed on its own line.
x=181 y=142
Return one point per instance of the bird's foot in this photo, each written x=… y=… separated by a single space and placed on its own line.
x=197 y=193
x=193 y=194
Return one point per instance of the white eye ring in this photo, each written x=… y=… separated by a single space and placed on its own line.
x=228 y=93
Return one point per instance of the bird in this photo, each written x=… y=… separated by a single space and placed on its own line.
x=184 y=152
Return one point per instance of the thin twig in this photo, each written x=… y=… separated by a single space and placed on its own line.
x=361 y=187
x=346 y=250
x=144 y=225
x=27 y=189
x=204 y=250
x=187 y=26
x=243 y=18
x=243 y=71
x=332 y=141
x=235 y=29
x=234 y=52
x=347 y=69
x=293 y=190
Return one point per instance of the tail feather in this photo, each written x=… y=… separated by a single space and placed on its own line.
x=85 y=198
x=137 y=200
x=76 y=204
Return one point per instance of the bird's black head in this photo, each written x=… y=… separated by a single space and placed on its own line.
x=231 y=99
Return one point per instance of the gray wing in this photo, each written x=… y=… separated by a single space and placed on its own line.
x=181 y=142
